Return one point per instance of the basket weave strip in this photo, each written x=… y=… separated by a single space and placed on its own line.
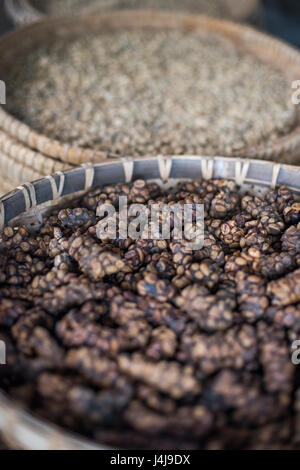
x=44 y=145
x=15 y=172
x=244 y=171
x=29 y=158
x=5 y=187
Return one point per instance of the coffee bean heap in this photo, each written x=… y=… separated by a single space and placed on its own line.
x=147 y=344
x=151 y=92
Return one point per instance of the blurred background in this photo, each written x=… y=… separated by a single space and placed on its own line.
x=279 y=17
x=282 y=18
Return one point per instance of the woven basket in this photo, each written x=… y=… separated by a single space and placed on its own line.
x=271 y=51
x=18 y=427
x=26 y=11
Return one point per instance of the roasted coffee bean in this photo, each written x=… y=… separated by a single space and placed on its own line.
x=259 y=411
x=159 y=289
x=286 y=290
x=70 y=295
x=142 y=419
x=252 y=297
x=206 y=273
x=94 y=260
x=162 y=314
x=155 y=400
x=124 y=309
x=291 y=239
x=256 y=237
x=209 y=311
x=234 y=349
x=93 y=408
x=95 y=368
x=230 y=233
x=54 y=279
x=275 y=360
x=288 y=317
x=31 y=326
x=163 y=343
x=211 y=250
x=223 y=204
x=10 y=311
x=168 y=377
x=231 y=389
x=275 y=265
x=292 y=213
x=74 y=218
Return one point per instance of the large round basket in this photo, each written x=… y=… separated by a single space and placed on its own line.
x=26 y=154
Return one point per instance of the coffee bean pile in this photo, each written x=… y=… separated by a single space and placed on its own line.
x=151 y=92
x=147 y=344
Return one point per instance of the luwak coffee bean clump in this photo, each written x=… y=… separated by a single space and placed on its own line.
x=147 y=344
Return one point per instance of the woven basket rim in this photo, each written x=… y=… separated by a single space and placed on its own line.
x=26 y=158
x=271 y=50
x=14 y=420
x=54 y=437
x=243 y=171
